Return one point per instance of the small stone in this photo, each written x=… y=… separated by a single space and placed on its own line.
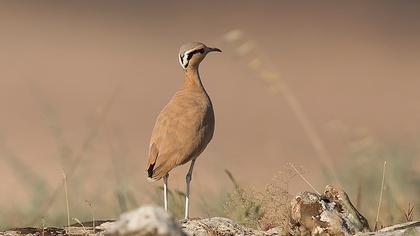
x=144 y=221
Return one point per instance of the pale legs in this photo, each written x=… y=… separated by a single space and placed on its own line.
x=187 y=192
x=165 y=191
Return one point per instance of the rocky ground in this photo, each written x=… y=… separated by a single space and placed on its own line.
x=330 y=213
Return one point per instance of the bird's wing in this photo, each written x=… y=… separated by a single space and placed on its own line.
x=175 y=136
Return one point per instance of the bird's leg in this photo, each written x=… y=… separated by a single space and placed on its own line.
x=187 y=192
x=165 y=191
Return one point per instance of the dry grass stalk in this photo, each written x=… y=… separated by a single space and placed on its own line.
x=81 y=224
x=359 y=196
x=243 y=205
x=67 y=198
x=303 y=178
x=43 y=227
x=249 y=49
x=409 y=213
x=275 y=207
x=380 y=197
x=90 y=138
x=93 y=215
x=260 y=209
x=233 y=180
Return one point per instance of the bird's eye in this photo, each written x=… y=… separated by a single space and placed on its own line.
x=201 y=50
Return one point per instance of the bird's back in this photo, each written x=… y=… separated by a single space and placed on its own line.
x=182 y=131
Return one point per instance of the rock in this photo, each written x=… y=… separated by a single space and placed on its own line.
x=331 y=213
x=409 y=228
x=144 y=221
x=151 y=220
x=221 y=227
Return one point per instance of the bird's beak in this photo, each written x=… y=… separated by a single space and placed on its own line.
x=214 y=50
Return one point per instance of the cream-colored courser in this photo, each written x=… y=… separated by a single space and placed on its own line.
x=185 y=125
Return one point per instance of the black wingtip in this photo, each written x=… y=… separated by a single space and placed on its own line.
x=150 y=170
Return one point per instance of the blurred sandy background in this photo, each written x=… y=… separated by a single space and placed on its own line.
x=87 y=79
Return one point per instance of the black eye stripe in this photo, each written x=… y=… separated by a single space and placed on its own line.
x=190 y=54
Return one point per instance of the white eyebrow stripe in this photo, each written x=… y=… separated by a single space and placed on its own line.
x=181 y=60
x=191 y=50
x=184 y=60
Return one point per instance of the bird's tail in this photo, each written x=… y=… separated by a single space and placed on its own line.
x=150 y=172
x=159 y=165
x=155 y=174
x=151 y=163
x=159 y=169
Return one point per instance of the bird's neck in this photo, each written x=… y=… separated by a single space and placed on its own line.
x=192 y=79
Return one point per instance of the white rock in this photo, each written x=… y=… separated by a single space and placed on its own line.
x=144 y=221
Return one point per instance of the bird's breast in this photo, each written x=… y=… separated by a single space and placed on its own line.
x=185 y=126
x=196 y=122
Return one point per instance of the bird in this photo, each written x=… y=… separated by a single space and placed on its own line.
x=185 y=125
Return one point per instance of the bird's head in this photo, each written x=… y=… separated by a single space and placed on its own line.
x=191 y=54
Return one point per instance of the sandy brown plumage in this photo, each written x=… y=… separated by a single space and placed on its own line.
x=183 y=129
x=186 y=124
